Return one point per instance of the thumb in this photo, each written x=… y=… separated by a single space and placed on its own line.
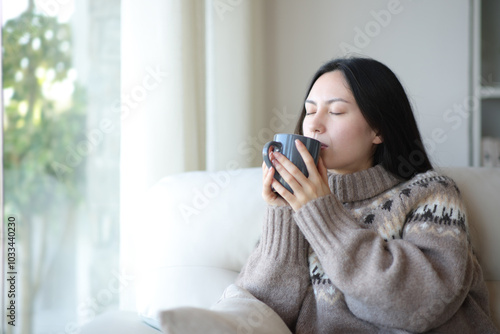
x=323 y=171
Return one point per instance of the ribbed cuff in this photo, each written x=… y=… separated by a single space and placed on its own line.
x=281 y=237
x=325 y=223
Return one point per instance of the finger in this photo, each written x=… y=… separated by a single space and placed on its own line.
x=267 y=191
x=268 y=180
x=288 y=171
x=264 y=164
x=264 y=171
x=281 y=190
x=323 y=171
x=268 y=185
x=290 y=167
x=307 y=157
x=286 y=195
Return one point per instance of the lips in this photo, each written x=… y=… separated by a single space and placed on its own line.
x=324 y=146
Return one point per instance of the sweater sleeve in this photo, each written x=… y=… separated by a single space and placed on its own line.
x=277 y=271
x=414 y=283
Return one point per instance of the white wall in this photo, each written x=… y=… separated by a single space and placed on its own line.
x=426 y=43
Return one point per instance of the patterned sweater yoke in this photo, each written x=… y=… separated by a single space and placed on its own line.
x=377 y=255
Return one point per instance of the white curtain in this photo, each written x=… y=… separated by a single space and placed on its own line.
x=191 y=96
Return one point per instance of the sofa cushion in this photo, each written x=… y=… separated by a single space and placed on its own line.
x=236 y=312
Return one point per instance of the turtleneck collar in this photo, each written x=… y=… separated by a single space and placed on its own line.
x=362 y=185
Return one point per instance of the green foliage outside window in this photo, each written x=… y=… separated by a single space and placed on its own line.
x=37 y=131
x=40 y=186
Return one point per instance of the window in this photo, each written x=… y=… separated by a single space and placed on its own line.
x=61 y=80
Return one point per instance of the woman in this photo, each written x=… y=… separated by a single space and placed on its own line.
x=373 y=240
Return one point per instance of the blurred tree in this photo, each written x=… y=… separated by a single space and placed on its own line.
x=41 y=186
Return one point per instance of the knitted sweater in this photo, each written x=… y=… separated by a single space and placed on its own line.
x=378 y=255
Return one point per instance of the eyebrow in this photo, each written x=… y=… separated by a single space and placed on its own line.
x=336 y=99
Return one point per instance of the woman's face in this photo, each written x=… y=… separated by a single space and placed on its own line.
x=334 y=118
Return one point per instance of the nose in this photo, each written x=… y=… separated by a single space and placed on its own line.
x=315 y=123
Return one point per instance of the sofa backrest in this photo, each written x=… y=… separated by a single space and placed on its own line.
x=480 y=189
x=198 y=230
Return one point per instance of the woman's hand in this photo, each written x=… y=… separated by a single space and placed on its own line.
x=267 y=191
x=304 y=189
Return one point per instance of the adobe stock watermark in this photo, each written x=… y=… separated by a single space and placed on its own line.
x=438 y=135
x=53 y=7
x=454 y=116
x=254 y=319
x=224 y=6
x=93 y=138
x=363 y=36
x=93 y=306
x=250 y=148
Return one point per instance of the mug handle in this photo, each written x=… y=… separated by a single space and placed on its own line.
x=265 y=151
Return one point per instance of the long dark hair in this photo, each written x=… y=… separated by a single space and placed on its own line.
x=386 y=108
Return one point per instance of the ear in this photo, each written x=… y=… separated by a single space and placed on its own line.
x=378 y=139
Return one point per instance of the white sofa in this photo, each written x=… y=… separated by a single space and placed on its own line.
x=200 y=227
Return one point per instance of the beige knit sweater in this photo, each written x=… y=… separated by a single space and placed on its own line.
x=377 y=256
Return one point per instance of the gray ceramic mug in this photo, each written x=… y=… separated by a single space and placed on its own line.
x=285 y=144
